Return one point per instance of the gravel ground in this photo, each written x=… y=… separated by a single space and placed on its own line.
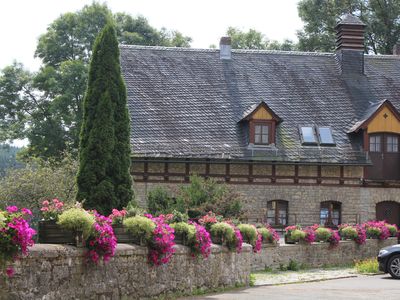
x=286 y=277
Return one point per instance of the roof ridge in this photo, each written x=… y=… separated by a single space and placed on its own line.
x=259 y=51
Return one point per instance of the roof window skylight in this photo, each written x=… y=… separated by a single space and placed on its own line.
x=308 y=135
x=325 y=136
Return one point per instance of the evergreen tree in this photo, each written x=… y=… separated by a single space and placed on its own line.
x=104 y=181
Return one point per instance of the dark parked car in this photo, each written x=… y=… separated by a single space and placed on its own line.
x=389 y=260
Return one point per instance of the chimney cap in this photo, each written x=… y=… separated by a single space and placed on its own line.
x=225 y=40
x=349 y=19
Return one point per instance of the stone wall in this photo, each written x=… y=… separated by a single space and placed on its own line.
x=59 y=272
x=317 y=254
x=304 y=201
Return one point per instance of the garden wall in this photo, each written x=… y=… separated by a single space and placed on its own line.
x=317 y=254
x=58 y=272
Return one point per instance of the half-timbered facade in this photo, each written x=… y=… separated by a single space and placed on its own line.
x=305 y=137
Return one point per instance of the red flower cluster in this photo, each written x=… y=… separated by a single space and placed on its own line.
x=102 y=242
x=161 y=247
x=51 y=210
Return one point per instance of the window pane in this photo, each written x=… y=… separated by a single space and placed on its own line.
x=264 y=138
x=258 y=129
x=375 y=143
x=325 y=134
x=324 y=215
x=257 y=139
x=392 y=143
x=308 y=135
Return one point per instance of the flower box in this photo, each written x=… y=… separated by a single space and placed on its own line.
x=51 y=233
x=289 y=240
x=122 y=235
x=217 y=240
x=181 y=239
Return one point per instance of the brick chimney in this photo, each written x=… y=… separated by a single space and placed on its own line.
x=225 y=48
x=350 y=44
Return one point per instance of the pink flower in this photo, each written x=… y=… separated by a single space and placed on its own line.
x=12 y=209
x=45 y=203
x=59 y=205
x=26 y=211
x=55 y=201
x=44 y=209
x=10 y=271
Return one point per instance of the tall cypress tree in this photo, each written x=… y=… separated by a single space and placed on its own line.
x=104 y=181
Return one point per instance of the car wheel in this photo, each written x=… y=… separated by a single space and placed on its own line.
x=394 y=266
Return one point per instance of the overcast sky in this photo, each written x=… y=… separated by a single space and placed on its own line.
x=22 y=21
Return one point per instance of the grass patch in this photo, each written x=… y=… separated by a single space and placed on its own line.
x=252 y=280
x=370 y=266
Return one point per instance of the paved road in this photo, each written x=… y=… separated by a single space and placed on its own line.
x=362 y=287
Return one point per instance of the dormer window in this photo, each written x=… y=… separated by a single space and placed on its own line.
x=261 y=134
x=262 y=123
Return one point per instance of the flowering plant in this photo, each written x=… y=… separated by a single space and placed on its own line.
x=101 y=241
x=377 y=230
x=334 y=238
x=251 y=235
x=310 y=235
x=200 y=243
x=394 y=231
x=209 y=219
x=51 y=210
x=269 y=234
x=361 y=235
x=15 y=235
x=161 y=245
x=117 y=216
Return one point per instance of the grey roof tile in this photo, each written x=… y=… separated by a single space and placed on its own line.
x=187 y=102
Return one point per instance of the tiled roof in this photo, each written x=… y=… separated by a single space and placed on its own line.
x=349 y=19
x=187 y=102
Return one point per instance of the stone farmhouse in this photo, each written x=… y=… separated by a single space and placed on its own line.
x=305 y=137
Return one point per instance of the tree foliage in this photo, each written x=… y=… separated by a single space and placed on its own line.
x=39 y=180
x=253 y=39
x=104 y=180
x=46 y=106
x=382 y=19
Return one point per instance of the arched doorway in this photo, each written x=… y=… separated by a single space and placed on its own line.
x=389 y=211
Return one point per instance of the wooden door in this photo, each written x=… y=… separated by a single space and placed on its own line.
x=376 y=155
x=385 y=157
x=388 y=211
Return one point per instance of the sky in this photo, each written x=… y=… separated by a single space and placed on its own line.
x=23 y=21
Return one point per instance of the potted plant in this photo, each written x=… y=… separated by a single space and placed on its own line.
x=79 y=222
x=268 y=234
x=225 y=233
x=183 y=232
x=322 y=234
x=16 y=236
x=141 y=229
x=120 y=232
x=293 y=234
x=347 y=232
x=49 y=231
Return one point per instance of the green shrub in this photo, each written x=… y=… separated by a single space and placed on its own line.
x=265 y=233
x=373 y=232
x=249 y=233
x=161 y=201
x=293 y=265
x=140 y=227
x=297 y=235
x=224 y=231
x=179 y=217
x=188 y=230
x=367 y=266
x=349 y=232
x=392 y=229
x=77 y=219
x=322 y=234
x=204 y=195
